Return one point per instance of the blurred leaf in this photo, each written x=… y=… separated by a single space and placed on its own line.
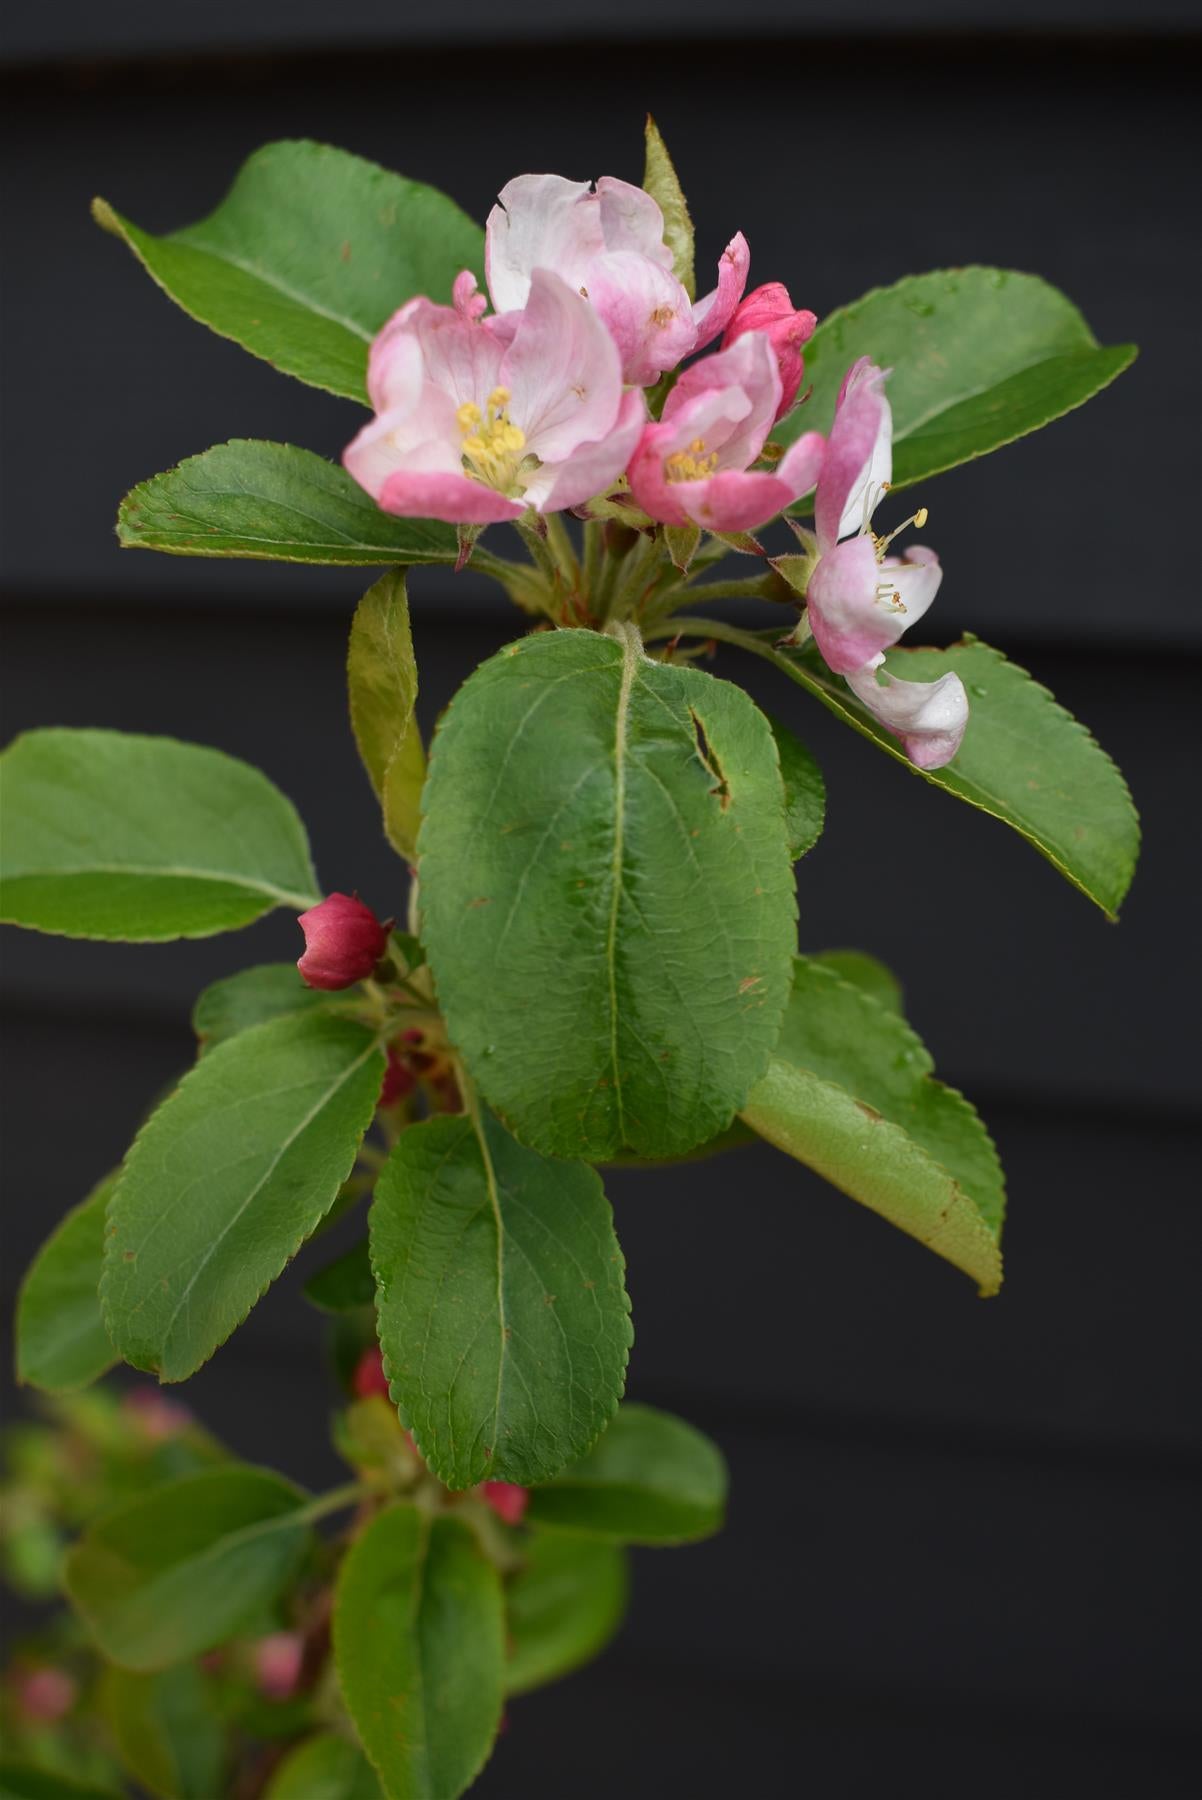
x=165 y=1730
x=563 y=1606
x=20 y=1781
x=866 y=972
x=326 y=1767
x=345 y=1284
x=382 y=683
x=650 y=1479
x=419 y=1649
x=61 y=1340
x=108 y=835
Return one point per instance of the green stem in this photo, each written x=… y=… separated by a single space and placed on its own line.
x=562 y=549
x=337 y=1500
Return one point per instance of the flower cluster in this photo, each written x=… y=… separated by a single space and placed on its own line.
x=542 y=405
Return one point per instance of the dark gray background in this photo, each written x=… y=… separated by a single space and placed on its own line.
x=962 y=1553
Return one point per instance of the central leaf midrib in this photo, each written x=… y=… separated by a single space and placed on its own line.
x=630 y=654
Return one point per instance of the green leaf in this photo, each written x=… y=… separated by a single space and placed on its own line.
x=308 y=255
x=864 y=971
x=419 y=1649
x=275 y=503
x=325 y=1767
x=226 y=1181
x=849 y=1092
x=108 y=835
x=382 y=683
x=607 y=895
x=1024 y=759
x=20 y=1781
x=169 y=1575
x=503 y=1318
x=345 y=1284
x=651 y=1479
x=663 y=184
x=563 y=1606
x=251 y=997
x=61 y=1340
x=165 y=1730
x=805 y=790
x=979 y=357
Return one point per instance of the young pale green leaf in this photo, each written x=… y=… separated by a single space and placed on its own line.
x=274 y=503
x=503 y=1317
x=165 y=1729
x=251 y=997
x=849 y=1092
x=226 y=1181
x=308 y=255
x=325 y=1767
x=165 y=1577
x=382 y=684
x=979 y=357
x=867 y=972
x=61 y=1340
x=345 y=1284
x=805 y=790
x=1024 y=759
x=21 y=1781
x=419 y=1649
x=663 y=184
x=563 y=1606
x=108 y=835
x=607 y=894
x=651 y=1479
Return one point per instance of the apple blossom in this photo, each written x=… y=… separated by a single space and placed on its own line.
x=769 y=309
x=608 y=245
x=344 y=941
x=478 y=419
x=693 y=466
x=930 y=717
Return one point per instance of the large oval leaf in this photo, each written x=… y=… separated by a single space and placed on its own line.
x=607 y=894
x=419 y=1648
x=108 y=835
x=166 y=1730
x=381 y=674
x=503 y=1318
x=849 y=1092
x=226 y=1181
x=310 y=252
x=979 y=357
x=276 y=503
x=563 y=1606
x=325 y=1767
x=61 y=1340
x=650 y=1479
x=167 y=1576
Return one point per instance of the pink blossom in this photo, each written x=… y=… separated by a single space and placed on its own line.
x=278 y=1660
x=344 y=941
x=930 y=717
x=478 y=419
x=694 y=465
x=46 y=1694
x=859 y=599
x=769 y=309
x=608 y=245
x=507 y=1499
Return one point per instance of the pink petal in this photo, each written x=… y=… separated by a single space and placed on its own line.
x=930 y=717
x=749 y=368
x=801 y=465
x=646 y=311
x=395 y=369
x=632 y=220
x=591 y=469
x=426 y=494
x=769 y=309
x=562 y=371
x=464 y=298
x=424 y=435
x=735 y=500
x=713 y=313
x=849 y=607
x=541 y=222
x=660 y=498
x=859 y=456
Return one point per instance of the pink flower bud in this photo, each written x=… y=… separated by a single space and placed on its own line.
x=769 y=309
x=369 y=1377
x=157 y=1417
x=277 y=1663
x=46 y=1694
x=399 y=1079
x=344 y=941
x=507 y=1500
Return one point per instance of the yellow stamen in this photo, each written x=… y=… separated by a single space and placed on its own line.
x=881 y=544
x=492 y=446
x=692 y=464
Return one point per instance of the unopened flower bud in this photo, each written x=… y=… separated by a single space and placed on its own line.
x=770 y=310
x=157 y=1417
x=369 y=1376
x=277 y=1663
x=507 y=1499
x=344 y=941
x=46 y=1694
x=399 y=1079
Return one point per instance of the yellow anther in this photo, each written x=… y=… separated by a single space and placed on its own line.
x=691 y=464
x=920 y=517
x=469 y=416
x=498 y=400
x=492 y=447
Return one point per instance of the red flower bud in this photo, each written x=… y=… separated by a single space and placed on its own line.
x=344 y=941
x=46 y=1694
x=277 y=1663
x=369 y=1376
x=769 y=309
x=507 y=1500
x=399 y=1079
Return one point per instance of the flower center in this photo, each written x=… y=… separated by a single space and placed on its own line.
x=492 y=444
x=692 y=464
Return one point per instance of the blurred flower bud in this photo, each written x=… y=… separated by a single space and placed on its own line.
x=369 y=1376
x=277 y=1663
x=399 y=1079
x=46 y=1694
x=507 y=1499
